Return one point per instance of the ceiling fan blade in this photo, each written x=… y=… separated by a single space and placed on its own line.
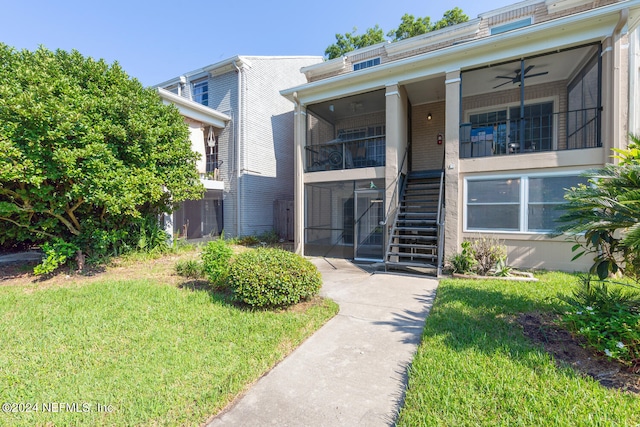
x=528 y=69
x=504 y=77
x=537 y=74
x=502 y=84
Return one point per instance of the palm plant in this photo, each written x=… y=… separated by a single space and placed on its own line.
x=607 y=212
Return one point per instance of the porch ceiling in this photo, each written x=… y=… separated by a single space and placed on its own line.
x=356 y=105
x=559 y=66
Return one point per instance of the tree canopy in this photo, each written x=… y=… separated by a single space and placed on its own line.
x=410 y=26
x=85 y=150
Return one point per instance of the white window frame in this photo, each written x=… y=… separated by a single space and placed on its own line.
x=193 y=87
x=523 y=199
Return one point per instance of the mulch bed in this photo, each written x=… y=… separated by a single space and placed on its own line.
x=544 y=329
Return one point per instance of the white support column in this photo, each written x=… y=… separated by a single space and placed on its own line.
x=452 y=227
x=168 y=226
x=299 y=141
x=615 y=90
x=393 y=142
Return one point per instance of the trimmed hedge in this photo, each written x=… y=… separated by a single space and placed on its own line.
x=268 y=277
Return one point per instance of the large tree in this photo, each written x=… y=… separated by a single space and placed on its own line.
x=85 y=150
x=351 y=41
x=410 y=26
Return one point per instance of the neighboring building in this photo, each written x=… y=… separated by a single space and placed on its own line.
x=242 y=128
x=405 y=149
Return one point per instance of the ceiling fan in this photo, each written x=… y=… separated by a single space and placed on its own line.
x=517 y=78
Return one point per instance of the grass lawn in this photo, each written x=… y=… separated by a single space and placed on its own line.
x=149 y=351
x=475 y=368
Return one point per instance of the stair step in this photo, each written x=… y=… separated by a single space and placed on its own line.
x=411 y=188
x=430 y=188
x=416 y=228
x=410 y=264
x=432 y=201
x=426 y=174
x=410 y=255
x=413 y=246
x=413 y=214
x=417 y=221
x=414 y=237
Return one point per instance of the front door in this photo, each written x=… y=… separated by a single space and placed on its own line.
x=369 y=212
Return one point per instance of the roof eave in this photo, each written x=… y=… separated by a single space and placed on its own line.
x=193 y=110
x=588 y=26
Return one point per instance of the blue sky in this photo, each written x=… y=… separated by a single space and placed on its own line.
x=158 y=40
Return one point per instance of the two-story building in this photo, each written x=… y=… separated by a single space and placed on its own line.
x=405 y=149
x=242 y=128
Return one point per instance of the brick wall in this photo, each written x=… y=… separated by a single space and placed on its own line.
x=426 y=154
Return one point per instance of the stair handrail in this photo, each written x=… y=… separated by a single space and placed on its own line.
x=396 y=189
x=397 y=193
x=440 y=220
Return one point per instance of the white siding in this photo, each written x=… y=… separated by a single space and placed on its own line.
x=268 y=153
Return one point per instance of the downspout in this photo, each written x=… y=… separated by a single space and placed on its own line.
x=238 y=147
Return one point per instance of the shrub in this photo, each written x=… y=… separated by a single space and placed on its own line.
x=607 y=317
x=248 y=240
x=216 y=257
x=57 y=253
x=463 y=262
x=152 y=238
x=487 y=253
x=190 y=268
x=268 y=277
x=269 y=237
x=266 y=238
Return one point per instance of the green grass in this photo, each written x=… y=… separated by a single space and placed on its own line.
x=158 y=354
x=474 y=367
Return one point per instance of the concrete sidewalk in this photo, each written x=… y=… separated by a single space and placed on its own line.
x=352 y=372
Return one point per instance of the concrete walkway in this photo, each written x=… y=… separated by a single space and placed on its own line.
x=352 y=372
x=21 y=257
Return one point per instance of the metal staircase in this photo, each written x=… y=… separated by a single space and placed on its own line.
x=416 y=237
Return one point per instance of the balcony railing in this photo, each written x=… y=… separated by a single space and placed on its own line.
x=532 y=134
x=336 y=155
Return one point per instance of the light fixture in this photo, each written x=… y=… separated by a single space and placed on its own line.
x=429 y=116
x=331 y=108
x=211 y=138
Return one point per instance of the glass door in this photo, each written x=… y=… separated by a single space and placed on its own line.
x=369 y=212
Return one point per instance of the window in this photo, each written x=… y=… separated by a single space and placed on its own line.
x=201 y=92
x=509 y=130
x=493 y=204
x=516 y=203
x=545 y=194
x=366 y=64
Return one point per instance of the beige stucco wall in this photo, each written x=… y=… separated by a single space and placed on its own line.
x=196 y=136
x=529 y=250
x=453 y=214
x=537 y=252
